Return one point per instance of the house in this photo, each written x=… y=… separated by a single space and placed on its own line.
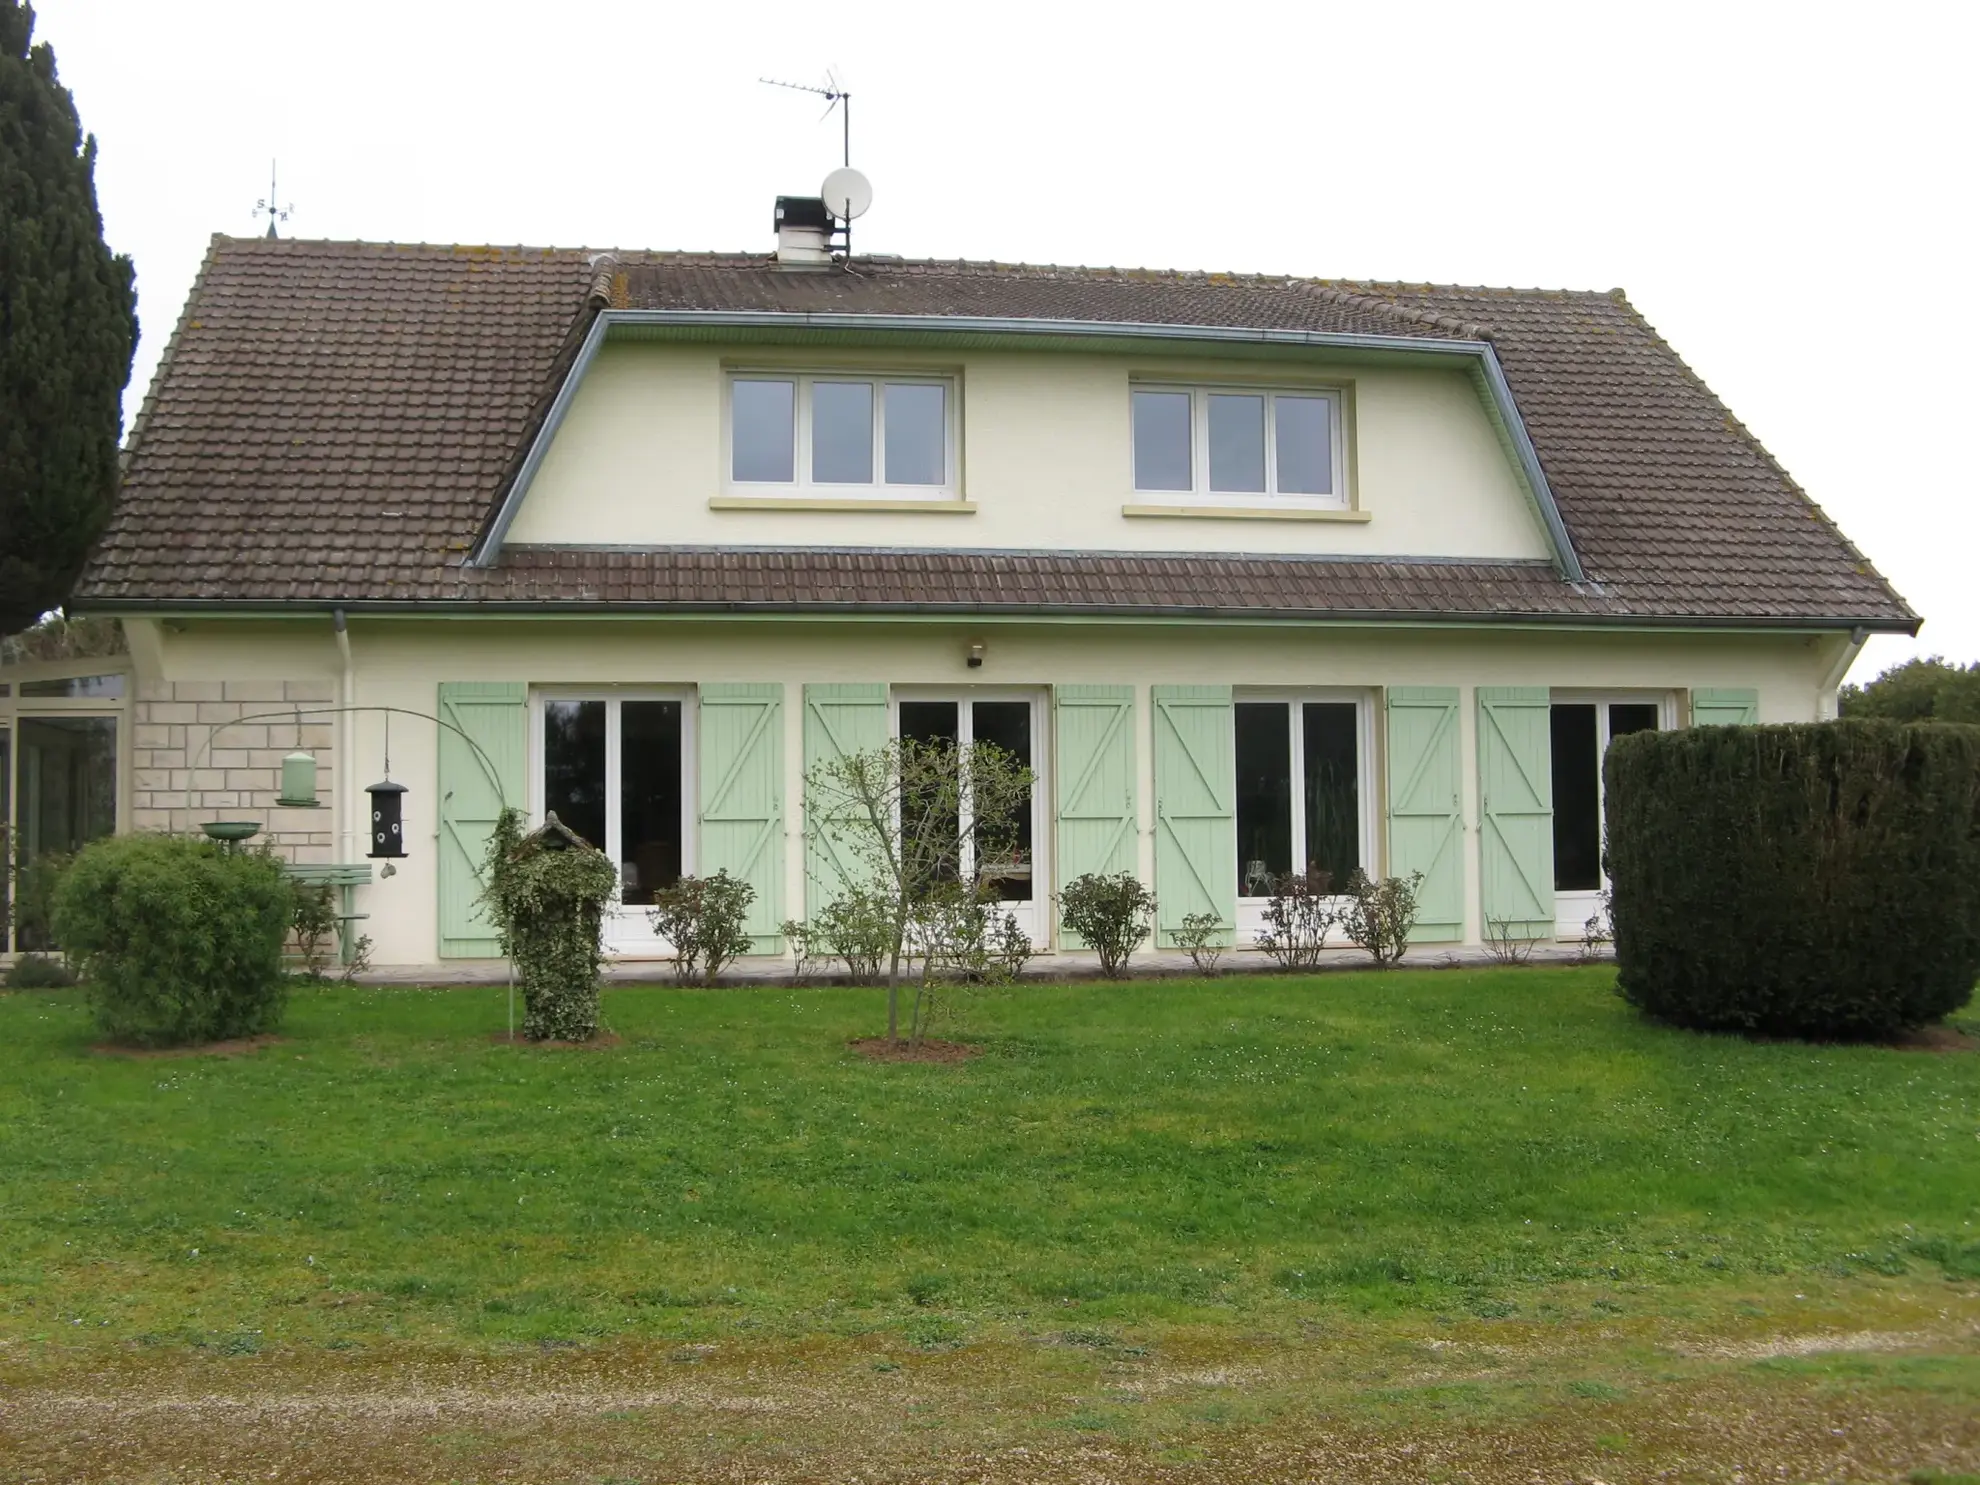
x=1254 y=571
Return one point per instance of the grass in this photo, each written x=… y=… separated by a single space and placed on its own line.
x=1236 y=1151
x=1172 y=1219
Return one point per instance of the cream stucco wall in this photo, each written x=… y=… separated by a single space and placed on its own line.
x=1045 y=460
x=401 y=663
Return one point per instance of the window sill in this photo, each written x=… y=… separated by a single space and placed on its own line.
x=1245 y=512
x=947 y=506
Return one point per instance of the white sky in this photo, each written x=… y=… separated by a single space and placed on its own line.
x=1784 y=190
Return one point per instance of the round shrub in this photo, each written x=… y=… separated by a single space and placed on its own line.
x=1817 y=880
x=179 y=939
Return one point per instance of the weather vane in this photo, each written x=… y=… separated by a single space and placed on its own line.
x=267 y=207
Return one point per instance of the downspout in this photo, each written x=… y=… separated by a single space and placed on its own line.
x=346 y=774
x=1825 y=699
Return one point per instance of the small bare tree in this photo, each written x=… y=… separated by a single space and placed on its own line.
x=916 y=822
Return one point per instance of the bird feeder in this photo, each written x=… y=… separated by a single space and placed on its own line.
x=298 y=782
x=388 y=836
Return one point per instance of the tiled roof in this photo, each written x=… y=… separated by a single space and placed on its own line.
x=334 y=422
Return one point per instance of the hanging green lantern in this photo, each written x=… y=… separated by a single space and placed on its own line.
x=298 y=782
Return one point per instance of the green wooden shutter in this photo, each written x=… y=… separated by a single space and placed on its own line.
x=1094 y=766
x=1516 y=809
x=1426 y=828
x=1725 y=706
x=1195 y=807
x=741 y=768
x=473 y=789
x=838 y=720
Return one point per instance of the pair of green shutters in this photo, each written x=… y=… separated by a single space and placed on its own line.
x=739 y=797
x=741 y=777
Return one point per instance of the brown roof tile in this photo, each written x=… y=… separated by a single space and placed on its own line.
x=334 y=422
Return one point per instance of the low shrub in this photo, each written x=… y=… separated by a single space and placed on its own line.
x=313 y=925
x=706 y=920
x=1816 y=880
x=179 y=939
x=39 y=972
x=1507 y=943
x=1297 y=917
x=1198 y=937
x=856 y=929
x=1112 y=914
x=1381 y=914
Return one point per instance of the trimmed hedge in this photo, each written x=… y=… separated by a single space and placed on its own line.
x=179 y=939
x=1818 y=880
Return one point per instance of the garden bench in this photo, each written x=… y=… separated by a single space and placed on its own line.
x=343 y=876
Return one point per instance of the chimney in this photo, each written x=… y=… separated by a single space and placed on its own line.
x=804 y=229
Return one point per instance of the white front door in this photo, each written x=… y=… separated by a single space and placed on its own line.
x=1582 y=731
x=615 y=768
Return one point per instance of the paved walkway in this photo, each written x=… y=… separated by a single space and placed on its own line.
x=1065 y=965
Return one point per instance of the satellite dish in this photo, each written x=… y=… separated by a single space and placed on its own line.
x=847 y=193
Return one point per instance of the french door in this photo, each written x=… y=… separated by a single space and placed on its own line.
x=615 y=768
x=1302 y=793
x=1582 y=731
x=1010 y=720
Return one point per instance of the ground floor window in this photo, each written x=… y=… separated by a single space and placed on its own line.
x=614 y=769
x=1582 y=732
x=1299 y=790
x=1011 y=723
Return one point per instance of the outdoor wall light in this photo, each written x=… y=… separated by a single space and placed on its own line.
x=975 y=661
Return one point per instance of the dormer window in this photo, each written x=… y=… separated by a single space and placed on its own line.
x=1238 y=444
x=832 y=434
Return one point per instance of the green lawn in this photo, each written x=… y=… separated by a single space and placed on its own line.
x=1238 y=1150
x=1330 y=1197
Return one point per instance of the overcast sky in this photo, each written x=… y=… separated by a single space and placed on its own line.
x=1784 y=190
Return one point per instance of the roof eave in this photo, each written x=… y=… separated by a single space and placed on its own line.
x=1479 y=353
x=166 y=608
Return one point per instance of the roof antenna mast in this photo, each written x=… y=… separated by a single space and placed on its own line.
x=834 y=95
x=267 y=207
x=846 y=193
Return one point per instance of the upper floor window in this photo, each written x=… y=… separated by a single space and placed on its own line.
x=1239 y=442
x=849 y=435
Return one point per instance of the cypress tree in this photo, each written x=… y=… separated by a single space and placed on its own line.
x=68 y=327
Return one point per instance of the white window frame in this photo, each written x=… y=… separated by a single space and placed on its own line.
x=628 y=930
x=1031 y=916
x=1199 y=492
x=801 y=482
x=1251 y=910
x=1572 y=909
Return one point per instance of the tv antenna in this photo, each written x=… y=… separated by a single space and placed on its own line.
x=834 y=97
x=846 y=193
x=267 y=207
